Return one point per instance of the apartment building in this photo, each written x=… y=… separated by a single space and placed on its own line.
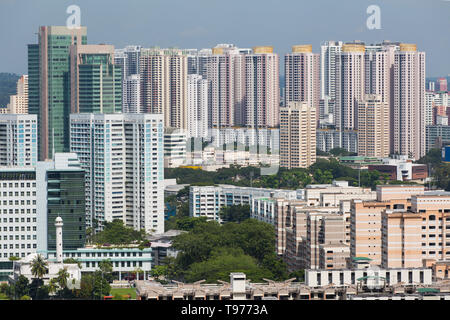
x=122 y=155
x=163 y=74
x=297 y=135
x=206 y=201
x=373 y=127
x=301 y=69
x=18 y=140
x=18 y=103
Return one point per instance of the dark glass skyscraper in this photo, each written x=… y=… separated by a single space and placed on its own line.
x=49 y=85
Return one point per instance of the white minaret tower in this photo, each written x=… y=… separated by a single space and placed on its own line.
x=59 y=240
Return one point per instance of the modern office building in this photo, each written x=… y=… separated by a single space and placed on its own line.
x=30 y=200
x=18 y=103
x=197 y=108
x=122 y=155
x=297 y=135
x=373 y=127
x=408 y=121
x=49 y=85
x=301 y=69
x=164 y=84
x=18 y=140
x=96 y=83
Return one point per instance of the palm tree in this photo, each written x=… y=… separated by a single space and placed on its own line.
x=52 y=285
x=39 y=267
x=62 y=277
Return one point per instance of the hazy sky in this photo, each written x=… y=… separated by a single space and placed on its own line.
x=246 y=23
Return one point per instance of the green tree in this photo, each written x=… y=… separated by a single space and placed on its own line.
x=93 y=286
x=159 y=271
x=224 y=261
x=299 y=275
x=39 y=267
x=62 y=277
x=21 y=287
x=106 y=269
x=116 y=232
x=235 y=213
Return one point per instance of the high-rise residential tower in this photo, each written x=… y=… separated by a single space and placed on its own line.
x=328 y=52
x=349 y=84
x=18 y=103
x=164 y=84
x=122 y=155
x=373 y=127
x=49 y=85
x=297 y=135
x=18 y=140
x=133 y=94
x=408 y=122
x=302 y=76
x=262 y=95
x=226 y=76
x=197 y=108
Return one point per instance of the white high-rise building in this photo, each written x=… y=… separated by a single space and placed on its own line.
x=121 y=59
x=128 y=59
x=328 y=52
x=197 y=108
x=18 y=139
x=133 y=95
x=124 y=162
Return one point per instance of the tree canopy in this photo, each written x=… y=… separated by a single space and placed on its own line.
x=211 y=251
x=117 y=233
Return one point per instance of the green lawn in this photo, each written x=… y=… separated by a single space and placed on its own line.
x=123 y=291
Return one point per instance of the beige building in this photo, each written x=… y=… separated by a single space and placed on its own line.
x=164 y=84
x=18 y=103
x=334 y=255
x=297 y=135
x=373 y=127
x=408 y=121
x=349 y=84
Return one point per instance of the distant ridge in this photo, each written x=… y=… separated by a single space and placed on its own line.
x=8 y=83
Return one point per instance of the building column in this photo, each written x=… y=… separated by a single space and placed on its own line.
x=120 y=275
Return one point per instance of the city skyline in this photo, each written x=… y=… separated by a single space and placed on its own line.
x=245 y=28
